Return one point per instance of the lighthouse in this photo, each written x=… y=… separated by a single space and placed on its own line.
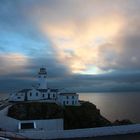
x=42 y=78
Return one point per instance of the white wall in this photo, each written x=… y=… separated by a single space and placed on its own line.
x=51 y=95
x=10 y=124
x=17 y=97
x=7 y=123
x=42 y=81
x=47 y=125
x=70 y=99
x=34 y=96
x=31 y=95
x=77 y=133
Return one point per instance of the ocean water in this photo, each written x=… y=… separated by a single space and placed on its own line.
x=113 y=106
x=4 y=96
x=116 y=105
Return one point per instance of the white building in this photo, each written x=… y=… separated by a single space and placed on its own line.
x=68 y=99
x=43 y=93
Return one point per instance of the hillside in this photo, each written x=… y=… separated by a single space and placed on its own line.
x=84 y=116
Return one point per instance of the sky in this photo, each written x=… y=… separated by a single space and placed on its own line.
x=86 y=46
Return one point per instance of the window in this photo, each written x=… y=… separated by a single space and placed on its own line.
x=36 y=93
x=48 y=95
x=67 y=97
x=44 y=76
x=63 y=102
x=30 y=93
x=19 y=97
x=72 y=102
x=67 y=102
x=72 y=97
x=29 y=125
x=43 y=95
x=53 y=95
x=39 y=76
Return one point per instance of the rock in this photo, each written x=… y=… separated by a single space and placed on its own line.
x=84 y=116
x=122 y=122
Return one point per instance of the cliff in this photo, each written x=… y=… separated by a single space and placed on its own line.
x=84 y=116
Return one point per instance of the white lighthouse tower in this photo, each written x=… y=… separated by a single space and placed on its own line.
x=42 y=78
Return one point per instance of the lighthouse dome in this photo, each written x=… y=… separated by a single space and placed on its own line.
x=42 y=71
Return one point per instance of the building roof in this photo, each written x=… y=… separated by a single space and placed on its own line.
x=24 y=90
x=45 y=90
x=54 y=90
x=68 y=94
x=42 y=90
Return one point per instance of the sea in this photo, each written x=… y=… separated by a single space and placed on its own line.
x=116 y=105
x=112 y=105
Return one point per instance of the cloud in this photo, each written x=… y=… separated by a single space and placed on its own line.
x=19 y=71
x=91 y=36
x=12 y=63
x=72 y=39
x=96 y=36
x=81 y=46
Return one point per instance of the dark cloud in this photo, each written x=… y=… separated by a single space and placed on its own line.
x=127 y=81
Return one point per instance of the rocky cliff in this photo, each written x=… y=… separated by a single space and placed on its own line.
x=84 y=116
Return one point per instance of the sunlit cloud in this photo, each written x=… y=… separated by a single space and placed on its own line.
x=90 y=37
x=79 y=47
x=12 y=63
